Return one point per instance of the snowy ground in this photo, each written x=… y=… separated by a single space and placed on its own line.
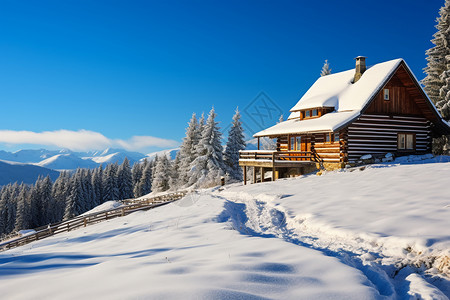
x=379 y=233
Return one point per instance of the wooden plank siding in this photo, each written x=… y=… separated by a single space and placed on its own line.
x=377 y=135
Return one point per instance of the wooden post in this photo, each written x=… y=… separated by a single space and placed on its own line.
x=273 y=173
x=262 y=174
x=258 y=142
x=245 y=175
x=254 y=175
x=84 y=221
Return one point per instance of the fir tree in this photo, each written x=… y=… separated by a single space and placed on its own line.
x=60 y=192
x=109 y=183
x=75 y=201
x=437 y=56
x=97 y=185
x=161 y=175
x=44 y=191
x=208 y=166
x=136 y=175
x=174 y=181
x=235 y=143
x=146 y=180
x=125 y=182
x=437 y=80
x=22 y=215
x=326 y=70
x=187 y=151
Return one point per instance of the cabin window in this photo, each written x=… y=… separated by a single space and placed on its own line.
x=327 y=137
x=298 y=142
x=336 y=137
x=315 y=113
x=292 y=146
x=386 y=94
x=307 y=114
x=405 y=141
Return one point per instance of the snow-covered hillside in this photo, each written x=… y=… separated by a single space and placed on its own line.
x=380 y=232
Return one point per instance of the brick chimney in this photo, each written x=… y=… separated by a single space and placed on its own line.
x=360 y=67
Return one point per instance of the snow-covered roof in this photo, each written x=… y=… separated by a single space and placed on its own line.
x=338 y=91
x=327 y=123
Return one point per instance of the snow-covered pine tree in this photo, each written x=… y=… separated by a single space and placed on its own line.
x=437 y=80
x=44 y=187
x=22 y=215
x=97 y=185
x=89 y=195
x=109 y=183
x=187 y=152
x=146 y=180
x=174 y=181
x=136 y=175
x=235 y=143
x=326 y=70
x=437 y=55
x=3 y=210
x=161 y=175
x=201 y=125
x=125 y=182
x=60 y=192
x=208 y=166
x=75 y=201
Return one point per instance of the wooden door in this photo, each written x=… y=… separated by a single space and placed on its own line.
x=306 y=146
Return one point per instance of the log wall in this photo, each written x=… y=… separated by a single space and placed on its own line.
x=377 y=135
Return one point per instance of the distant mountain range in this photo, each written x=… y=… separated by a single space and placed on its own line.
x=69 y=160
x=27 y=165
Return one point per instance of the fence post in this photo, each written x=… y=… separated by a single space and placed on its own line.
x=84 y=221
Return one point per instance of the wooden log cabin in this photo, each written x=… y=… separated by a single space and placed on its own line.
x=344 y=116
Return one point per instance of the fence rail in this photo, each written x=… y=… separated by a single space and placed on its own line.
x=130 y=206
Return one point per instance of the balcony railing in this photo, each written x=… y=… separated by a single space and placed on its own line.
x=278 y=156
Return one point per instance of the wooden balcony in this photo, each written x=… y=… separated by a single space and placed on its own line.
x=276 y=159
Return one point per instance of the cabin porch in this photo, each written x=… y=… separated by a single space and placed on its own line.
x=281 y=164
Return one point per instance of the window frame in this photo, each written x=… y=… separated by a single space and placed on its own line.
x=298 y=147
x=404 y=147
x=307 y=114
x=336 y=138
x=386 y=94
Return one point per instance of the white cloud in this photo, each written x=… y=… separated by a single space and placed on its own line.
x=81 y=140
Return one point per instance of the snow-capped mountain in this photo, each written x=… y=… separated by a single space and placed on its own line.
x=67 y=161
x=171 y=154
x=111 y=155
x=11 y=172
x=30 y=156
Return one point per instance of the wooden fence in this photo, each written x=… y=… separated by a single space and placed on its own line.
x=130 y=206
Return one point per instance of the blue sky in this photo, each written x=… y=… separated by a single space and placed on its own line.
x=131 y=73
